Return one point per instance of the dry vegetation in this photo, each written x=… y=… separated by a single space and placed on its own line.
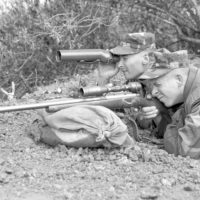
x=31 y=33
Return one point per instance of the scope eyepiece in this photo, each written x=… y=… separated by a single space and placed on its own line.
x=58 y=56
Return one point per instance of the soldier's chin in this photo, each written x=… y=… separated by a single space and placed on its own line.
x=167 y=103
x=129 y=76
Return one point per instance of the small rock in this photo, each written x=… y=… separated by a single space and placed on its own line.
x=193 y=164
x=48 y=157
x=149 y=195
x=146 y=155
x=112 y=157
x=62 y=148
x=2 y=161
x=25 y=175
x=166 y=182
x=99 y=167
x=8 y=171
x=98 y=158
x=188 y=188
x=195 y=175
x=133 y=156
x=99 y=195
x=35 y=196
x=67 y=195
x=57 y=186
x=123 y=161
x=137 y=148
x=111 y=189
x=80 y=152
x=4 y=178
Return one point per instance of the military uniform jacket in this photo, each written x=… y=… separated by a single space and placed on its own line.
x=182 y=136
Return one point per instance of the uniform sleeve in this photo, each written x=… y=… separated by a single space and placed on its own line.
x=182 y=136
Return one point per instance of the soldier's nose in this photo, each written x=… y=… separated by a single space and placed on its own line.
x=154 y=91
x=120 y=63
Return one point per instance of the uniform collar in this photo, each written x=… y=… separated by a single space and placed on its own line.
x=190 y=80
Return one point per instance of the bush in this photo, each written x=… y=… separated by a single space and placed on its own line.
x=31 y=34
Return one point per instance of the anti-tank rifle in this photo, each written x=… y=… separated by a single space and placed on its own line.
x=88 y=96
x=87 y=55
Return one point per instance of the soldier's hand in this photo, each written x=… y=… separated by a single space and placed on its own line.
x=106 y=72
x=149 y=112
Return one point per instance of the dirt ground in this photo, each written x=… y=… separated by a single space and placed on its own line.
x=31 y=170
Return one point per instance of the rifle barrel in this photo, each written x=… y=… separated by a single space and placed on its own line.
x=112 y=100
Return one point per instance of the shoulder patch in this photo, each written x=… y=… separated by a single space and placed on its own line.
x=196 y=103
x=193 y=100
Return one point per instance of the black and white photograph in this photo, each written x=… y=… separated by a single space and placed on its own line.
x=99 y=100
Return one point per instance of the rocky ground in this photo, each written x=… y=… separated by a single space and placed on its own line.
x=31 y=170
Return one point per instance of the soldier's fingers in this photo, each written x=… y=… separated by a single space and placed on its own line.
x=149 y=109
x=150 y=113
x=151 y=116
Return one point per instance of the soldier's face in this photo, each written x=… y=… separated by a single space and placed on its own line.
x=168 y=90
x=132 y=65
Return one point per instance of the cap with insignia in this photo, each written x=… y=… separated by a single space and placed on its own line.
x=164 y=62
x=134 y=43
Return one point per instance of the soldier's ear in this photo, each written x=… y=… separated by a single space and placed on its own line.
x=179 y=80
x=145 y=59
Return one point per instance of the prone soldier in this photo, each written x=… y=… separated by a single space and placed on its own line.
x=178 y=85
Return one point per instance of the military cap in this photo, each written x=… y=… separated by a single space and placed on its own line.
x=134 y=43
x=164 y=62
